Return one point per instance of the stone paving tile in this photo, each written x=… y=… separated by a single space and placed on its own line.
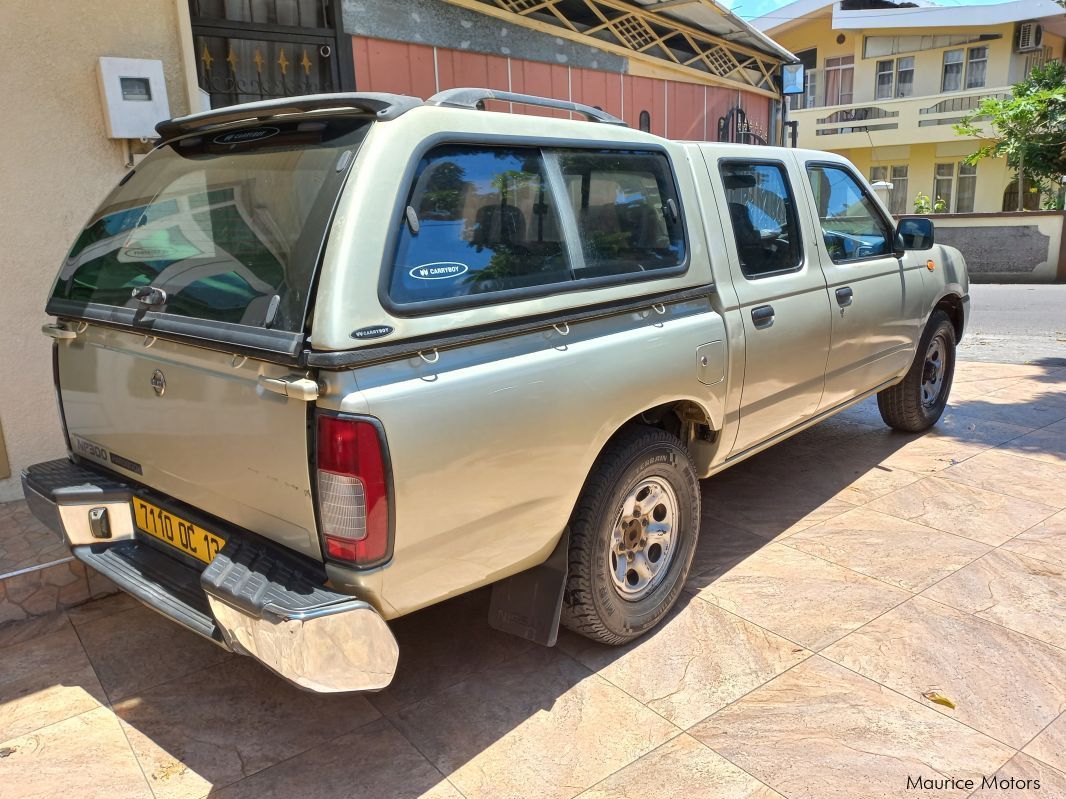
x=45 y=680
x=741 y=500
x=83 y=756
x=720 y=547
x=800 y=597
x=820 y=731
x=15 y=632
x=849 y=477
x=1015 y=475
x=986 y=516
x=1046 y=444
x=227 y=722
x=1050 y=745
x=39 y=592
x=980 y=370
x=375 y=762
x=1022 y=594
x=25 y=541
x=539 y=724
x=1003 y=684
x=1045 y=541
x=99 y=608
x=1023 y=778
x=682 y=767
x=699 y=660
x=442 y=645
x=887 y=548
x=1010 y=406
x=137 y=648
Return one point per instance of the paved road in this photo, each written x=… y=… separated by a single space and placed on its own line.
x=1015 y=324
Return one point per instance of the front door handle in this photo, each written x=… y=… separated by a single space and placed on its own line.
x=844 y=296
x=763 y=316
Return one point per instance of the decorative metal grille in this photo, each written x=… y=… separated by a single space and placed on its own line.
x=251 y=50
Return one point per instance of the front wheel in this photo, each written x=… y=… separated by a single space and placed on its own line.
x=632 y=537
x=917 y=402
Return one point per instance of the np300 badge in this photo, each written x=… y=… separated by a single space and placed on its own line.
x=159 y=383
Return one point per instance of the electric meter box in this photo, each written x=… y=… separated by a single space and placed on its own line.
x=134 y=96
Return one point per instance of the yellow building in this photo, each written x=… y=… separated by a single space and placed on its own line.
x=885 y=82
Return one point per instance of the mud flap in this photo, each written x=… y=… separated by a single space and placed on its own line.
x=528 y=604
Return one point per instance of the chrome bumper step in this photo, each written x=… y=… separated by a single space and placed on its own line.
x=157 y=580
x=254 y=598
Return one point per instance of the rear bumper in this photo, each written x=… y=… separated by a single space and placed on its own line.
x=253 y=598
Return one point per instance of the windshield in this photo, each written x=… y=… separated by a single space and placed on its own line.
x=227 y=225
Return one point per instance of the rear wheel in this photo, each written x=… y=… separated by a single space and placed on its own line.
x=632 y=536
x=918 y=401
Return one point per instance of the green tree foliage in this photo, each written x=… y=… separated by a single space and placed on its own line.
x=1028 y=128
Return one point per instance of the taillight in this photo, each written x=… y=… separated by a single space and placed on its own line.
x=353 y=501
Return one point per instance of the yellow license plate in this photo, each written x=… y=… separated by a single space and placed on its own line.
x=177 y=532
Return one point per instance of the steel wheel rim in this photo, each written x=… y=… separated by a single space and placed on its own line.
x=643 y=538
x=933 y=370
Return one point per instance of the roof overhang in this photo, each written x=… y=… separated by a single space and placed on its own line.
x=926 y=15
x=695 y=40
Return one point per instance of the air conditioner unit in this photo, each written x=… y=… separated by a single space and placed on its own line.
x=1030 y=37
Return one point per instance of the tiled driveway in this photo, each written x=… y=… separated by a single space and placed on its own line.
x=850 y=585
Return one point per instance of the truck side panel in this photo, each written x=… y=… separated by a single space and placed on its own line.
x=491 y=443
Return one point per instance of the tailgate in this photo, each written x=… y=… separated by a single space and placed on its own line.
x=194 y=424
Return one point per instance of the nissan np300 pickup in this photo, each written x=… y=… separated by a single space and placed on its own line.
x=324 y=361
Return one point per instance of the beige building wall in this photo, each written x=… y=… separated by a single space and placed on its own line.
x=58 y=164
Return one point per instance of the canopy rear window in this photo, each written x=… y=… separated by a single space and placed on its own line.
x=228 y=225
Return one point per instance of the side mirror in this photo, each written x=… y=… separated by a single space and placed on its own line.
x=916 y=233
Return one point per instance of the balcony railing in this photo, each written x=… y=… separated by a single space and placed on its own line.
x=897 y=121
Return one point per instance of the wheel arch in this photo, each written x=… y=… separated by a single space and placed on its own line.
x=952 y=305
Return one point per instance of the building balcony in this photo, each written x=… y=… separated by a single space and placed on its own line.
x=908 y=120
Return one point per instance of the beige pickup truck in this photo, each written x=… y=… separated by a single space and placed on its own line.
x=324 y=361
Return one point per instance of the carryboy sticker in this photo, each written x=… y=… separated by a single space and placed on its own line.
x=243 y=136
x=439 y=270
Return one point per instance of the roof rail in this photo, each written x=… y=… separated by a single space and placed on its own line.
x=383 y=106
x=475 y=98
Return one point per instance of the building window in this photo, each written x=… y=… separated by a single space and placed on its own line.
x=1030 y=197
x=942 y=183
x=956 y=185
x=839 y=80
x=895 y=78
x=976 y=67
x=1037 y=60
x=269 y=48
x=953 y=66
x=644 y=122
x=964 y=199
x=899 y=193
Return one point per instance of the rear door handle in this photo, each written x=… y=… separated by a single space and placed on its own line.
x=844 y=296
x=763 y=316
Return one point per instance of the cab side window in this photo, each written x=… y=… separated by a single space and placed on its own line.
x=852 y=226
x=485 y=221
x=762 y=211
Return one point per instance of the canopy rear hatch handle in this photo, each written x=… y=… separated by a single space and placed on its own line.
x=58 y=332
x=293 y=387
